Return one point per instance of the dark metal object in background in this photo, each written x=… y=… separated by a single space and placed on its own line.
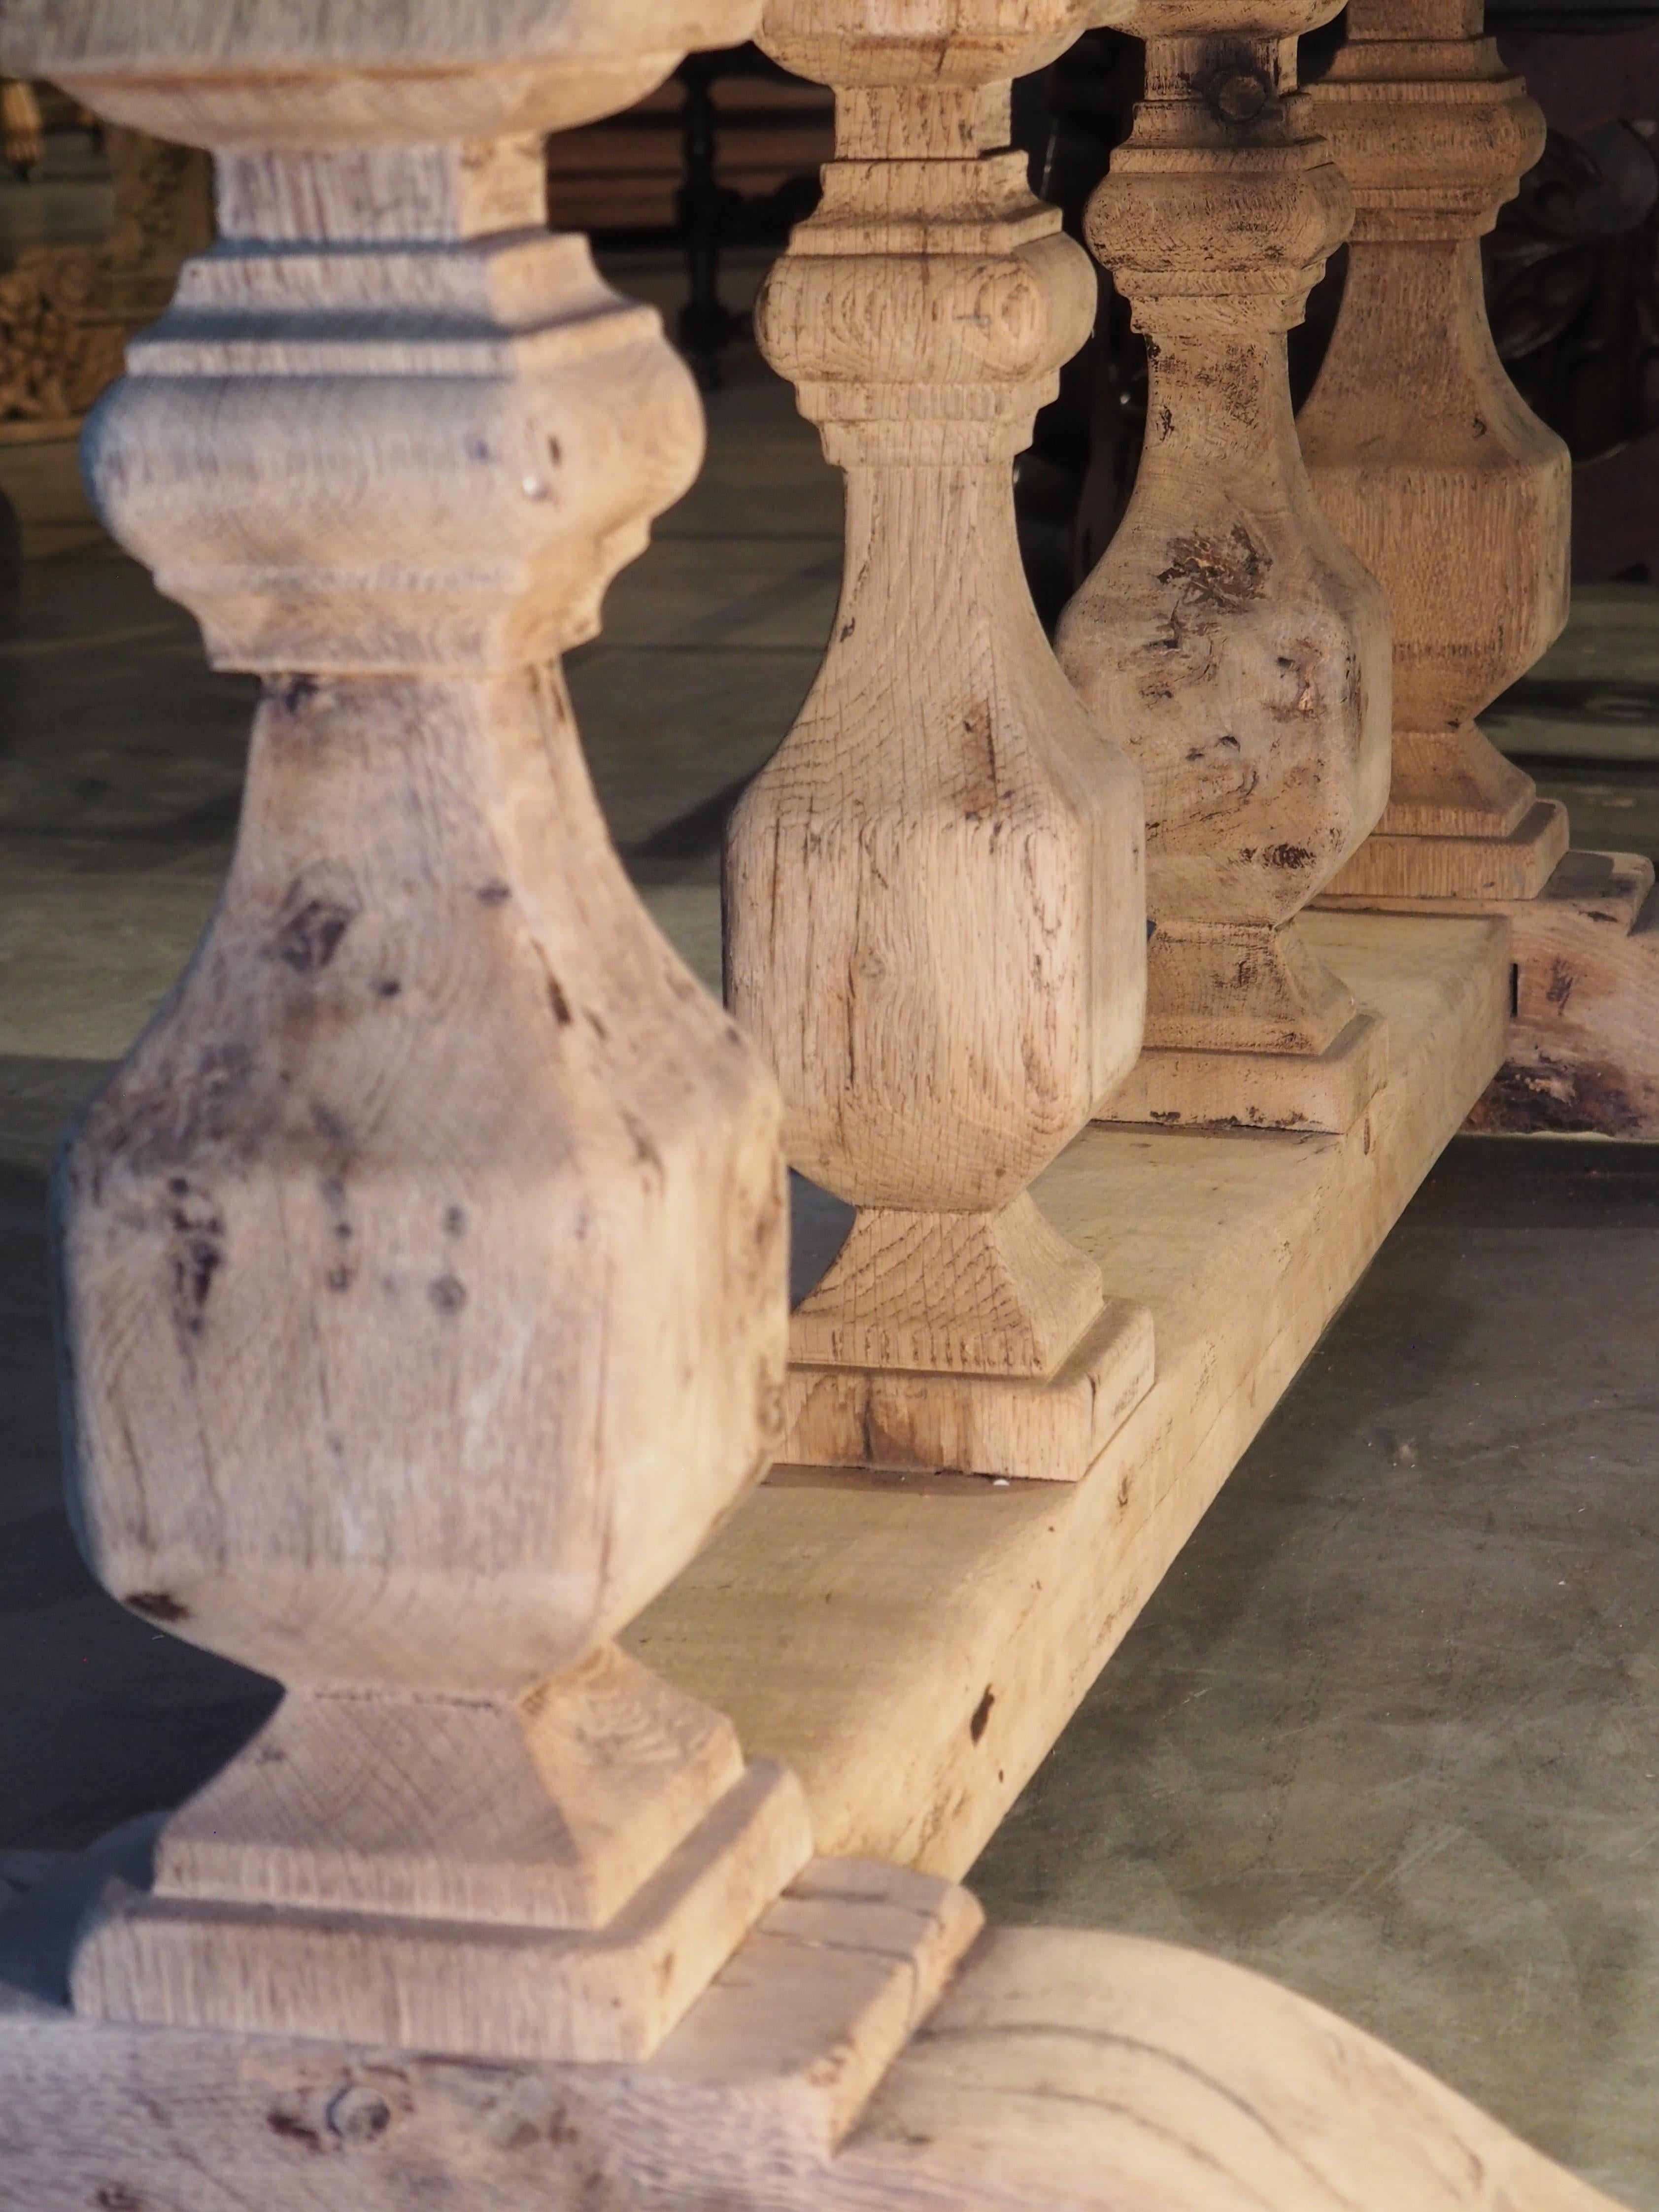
x=1073 y=483
x=1570 y=289
x=1572 y=268
x=706 y=327
x=712 y=216
x=11 y=562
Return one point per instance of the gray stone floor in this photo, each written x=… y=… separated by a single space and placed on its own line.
x=1389 y=1730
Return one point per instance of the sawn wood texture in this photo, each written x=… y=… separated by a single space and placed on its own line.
x=1062 y=2071
x=934 y=904
x=424 y=1265
x=912 y=1646
x=1227 y=637
x=1423 y=454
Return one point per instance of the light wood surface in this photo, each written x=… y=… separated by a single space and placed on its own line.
x=182 y=1955
x=1035 y=1430
x=935 y=924
x=1328 y=1090
x=300 y=73
x=1227 y=637
x=1424 y=454
x=423 y=1267
x=756 y=2088
x=911 y=1647
x=1062 y=2071
x=1089 y=2073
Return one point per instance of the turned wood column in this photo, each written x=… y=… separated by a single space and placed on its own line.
x=424 y=1265
x=1424 y=454
x=934 y=910
x=1227 y=637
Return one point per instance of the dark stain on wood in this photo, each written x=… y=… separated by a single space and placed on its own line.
x=1560 y=988
x=292 y=2129
x=196 y=1253
x=156 y=1605
x=1224 y=574
x=310 y=933
x=1552 y=1097
x=292 y=694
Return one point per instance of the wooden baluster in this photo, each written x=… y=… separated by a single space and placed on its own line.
x=934 y=909
x=1433 y=467
x=1227 y=637
x=423 y=1265
x=1424 y=454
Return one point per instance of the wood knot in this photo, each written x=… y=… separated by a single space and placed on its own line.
x=1239 y=96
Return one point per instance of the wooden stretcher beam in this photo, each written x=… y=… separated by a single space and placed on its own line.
x=912 y=1646
x=1061 y=2071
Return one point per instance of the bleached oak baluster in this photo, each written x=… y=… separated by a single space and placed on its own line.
x=1431 y=466
x=1425 y=456
x=423 y=1265
x=934 y=909
x=1227 y=636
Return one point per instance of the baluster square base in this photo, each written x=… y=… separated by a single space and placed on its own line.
x=483 y=1988
x=1392 y=873
x=1327 y=1091
x=1019 y=1427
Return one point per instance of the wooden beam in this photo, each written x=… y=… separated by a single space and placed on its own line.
x=1063 y=2071
x=912 y=1646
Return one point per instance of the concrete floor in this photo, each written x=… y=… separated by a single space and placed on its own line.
x=1390 y=1730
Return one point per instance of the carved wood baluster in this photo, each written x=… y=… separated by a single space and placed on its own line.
x=423 y=1265
x=1424 y=454
x=933 y=892
x=1227 y=637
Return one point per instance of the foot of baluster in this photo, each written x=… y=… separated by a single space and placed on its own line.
x=1327 y=1091
x=496 y=1990
x=978 y=1294
x=1016 y=1426
x=1248 y=1027
x=1391 y=873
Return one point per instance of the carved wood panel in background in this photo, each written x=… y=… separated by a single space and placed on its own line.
x=66 y=311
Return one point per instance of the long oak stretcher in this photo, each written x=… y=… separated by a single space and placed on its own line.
x=911 y=1646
